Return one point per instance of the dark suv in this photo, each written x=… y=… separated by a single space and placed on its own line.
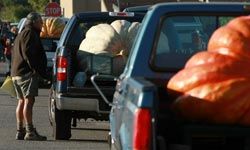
x=70 y=102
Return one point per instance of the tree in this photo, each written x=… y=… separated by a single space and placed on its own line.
x=14 y=13
x=13 y=2
x=14 y=10
x=38 y=5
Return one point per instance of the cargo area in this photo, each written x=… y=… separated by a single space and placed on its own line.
x=89 y=61
x=83 y=63
x=178 y=133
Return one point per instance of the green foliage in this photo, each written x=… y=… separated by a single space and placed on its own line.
x=14 y=10
x=13 y=2
x=38 y=5
x=224 y=20
x=14 y=13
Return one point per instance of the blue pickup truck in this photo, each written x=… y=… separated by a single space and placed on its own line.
x=140 y=117
x=70 y=99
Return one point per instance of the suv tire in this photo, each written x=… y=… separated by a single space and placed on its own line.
x=60 y=120
x=51 y=108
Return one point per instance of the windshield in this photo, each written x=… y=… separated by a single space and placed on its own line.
x=182 y=36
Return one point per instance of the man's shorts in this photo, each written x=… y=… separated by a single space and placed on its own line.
x=26 y=85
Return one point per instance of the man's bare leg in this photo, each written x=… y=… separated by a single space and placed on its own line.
x=19 y=111
x=20 y=120
x=31 y=133
x=28 y=110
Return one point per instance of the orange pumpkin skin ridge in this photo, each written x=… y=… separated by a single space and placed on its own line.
x=203 y=105
x=241 y=24
x=234 y=37
x=214 y=85
x=206 y=67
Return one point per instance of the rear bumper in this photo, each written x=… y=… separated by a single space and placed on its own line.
x=79 y=104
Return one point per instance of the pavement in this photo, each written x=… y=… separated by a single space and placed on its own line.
x=4 y=68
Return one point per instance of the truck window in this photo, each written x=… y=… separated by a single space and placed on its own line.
x=76 y=36
x=180 y=37
x=78 y=33
x=49 y=45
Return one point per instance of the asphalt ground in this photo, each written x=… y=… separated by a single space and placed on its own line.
x=88 y=135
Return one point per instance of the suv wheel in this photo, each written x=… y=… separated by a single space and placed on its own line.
x=51 y=108
x=62 y=125
x=60 y=120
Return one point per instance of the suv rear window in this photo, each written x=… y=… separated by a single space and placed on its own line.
x=103 y=62
x=49 y=45
x=178 y=40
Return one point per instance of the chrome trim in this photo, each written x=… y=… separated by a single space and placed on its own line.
x=81 y=104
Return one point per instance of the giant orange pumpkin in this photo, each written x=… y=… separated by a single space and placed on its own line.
x=214 y=85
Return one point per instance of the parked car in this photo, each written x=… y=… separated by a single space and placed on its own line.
x=70 y=99
x=20 y=24
x=140 y=116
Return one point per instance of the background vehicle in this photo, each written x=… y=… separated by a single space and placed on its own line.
x=140 y=117
x=21 y=24
x=67 y=100
x=5 y=35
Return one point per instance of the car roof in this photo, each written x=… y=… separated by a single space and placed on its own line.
x=141 y=9
x=22 y=22
x=105 y=15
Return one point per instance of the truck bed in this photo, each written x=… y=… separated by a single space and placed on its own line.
x=198 y=135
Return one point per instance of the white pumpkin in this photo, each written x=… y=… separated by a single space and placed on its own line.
x=101 y=39
x=132 y=32
x=127 y=32
x=114 y=40
x=121 y=27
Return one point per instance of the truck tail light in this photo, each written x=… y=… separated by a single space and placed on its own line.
x=62 y=64
x=124 y=14
x=142 y=130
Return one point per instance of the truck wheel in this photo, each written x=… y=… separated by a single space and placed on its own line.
x=51 y=108
x=62 y=125
x=61 y=122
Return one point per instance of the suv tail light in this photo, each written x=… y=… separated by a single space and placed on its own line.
x=124 y=14
x=62 y=64
x=142 y=130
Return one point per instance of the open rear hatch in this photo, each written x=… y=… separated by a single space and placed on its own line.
x=101 y=64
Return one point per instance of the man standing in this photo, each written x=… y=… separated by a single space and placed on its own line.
x=28 y=63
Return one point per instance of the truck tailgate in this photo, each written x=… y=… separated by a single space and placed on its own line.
x=90 y=91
